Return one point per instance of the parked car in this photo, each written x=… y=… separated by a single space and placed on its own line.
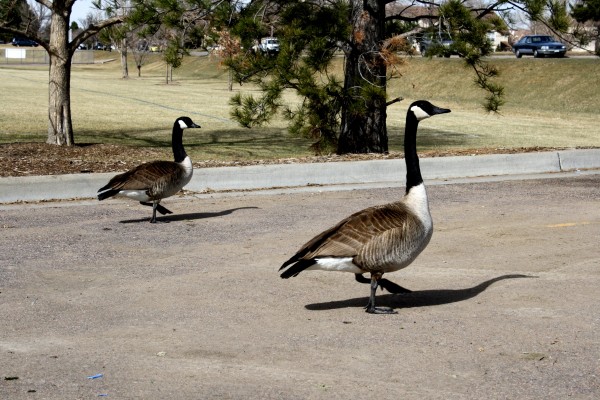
x=100 y=46
x=267 y=45
x=430 y=41
x=24 y=42
x=539 y=46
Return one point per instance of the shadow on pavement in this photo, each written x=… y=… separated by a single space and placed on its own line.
x=185 y=217
x=420 y=298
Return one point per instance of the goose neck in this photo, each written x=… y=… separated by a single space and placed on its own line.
x=177 y=144
x=413 y=170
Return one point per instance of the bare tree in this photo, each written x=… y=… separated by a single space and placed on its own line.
x=139 y=49
x=118 y=35
x=228 y=46
x=60 y=51
x=177 y=22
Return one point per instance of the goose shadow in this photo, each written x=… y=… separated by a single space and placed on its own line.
x=186 y=217
x=419 y=298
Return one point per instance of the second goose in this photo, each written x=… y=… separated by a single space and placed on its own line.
x=151 y=182
x=378 y=239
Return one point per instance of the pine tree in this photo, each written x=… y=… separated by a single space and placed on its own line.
x=348 y=116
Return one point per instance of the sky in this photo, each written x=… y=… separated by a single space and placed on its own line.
x=81 y=9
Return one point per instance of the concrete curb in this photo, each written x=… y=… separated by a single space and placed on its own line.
x=258 y=177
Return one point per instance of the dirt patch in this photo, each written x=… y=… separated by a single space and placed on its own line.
x=24 y=159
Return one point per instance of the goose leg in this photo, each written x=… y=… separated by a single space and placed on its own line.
x=159 y=208
x=156 y=207
x=153 y=220
x=370 y=308
x=384 y=284
x=162 y=209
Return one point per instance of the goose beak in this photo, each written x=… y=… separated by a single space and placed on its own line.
x=198 y=126
x=439 y=110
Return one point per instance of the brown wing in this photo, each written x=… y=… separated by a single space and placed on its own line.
x=349 y=236
x=394 y=247
x=146 y=176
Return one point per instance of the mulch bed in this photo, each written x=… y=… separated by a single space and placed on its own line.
x=26 y=159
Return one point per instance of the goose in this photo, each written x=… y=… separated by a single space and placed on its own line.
x=379 y=239
x=151 y=182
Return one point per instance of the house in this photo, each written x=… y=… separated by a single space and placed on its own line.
x=427 y=17
x=500 y=40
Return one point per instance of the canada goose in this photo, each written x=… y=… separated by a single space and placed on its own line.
x=378 y=239
x=151 y=182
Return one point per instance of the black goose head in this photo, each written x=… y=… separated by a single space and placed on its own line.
x=417 y=111
x=180 y=124
x=422 y=109
x=186 y=122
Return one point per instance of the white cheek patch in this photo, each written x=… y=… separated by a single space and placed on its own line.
x=419 y=113
x=182 y=125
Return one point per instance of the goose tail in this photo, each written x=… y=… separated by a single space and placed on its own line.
x=295 y=269
x=107 y=193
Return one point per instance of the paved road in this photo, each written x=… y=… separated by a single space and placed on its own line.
x=504 y=304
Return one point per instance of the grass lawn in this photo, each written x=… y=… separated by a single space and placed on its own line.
x=550 y=103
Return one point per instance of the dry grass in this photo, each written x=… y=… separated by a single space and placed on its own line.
x=551 y=103
x=141 y=111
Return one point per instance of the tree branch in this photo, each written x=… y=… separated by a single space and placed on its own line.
x=45 y=3
x=396 y=100
x=94 y=29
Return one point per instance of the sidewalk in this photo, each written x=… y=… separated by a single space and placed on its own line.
x=261 y=177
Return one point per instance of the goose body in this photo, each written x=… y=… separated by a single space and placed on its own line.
x=380 y=239
x=151 y=182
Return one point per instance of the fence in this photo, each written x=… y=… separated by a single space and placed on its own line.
x=19 y=55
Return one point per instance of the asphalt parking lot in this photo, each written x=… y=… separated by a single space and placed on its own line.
x=95 y=301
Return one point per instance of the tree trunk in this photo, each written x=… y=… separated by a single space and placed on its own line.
x=597 y=39
x=363 y=126
x=60 y=128
x=124 y=69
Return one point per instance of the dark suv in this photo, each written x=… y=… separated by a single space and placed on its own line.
x=23 y=42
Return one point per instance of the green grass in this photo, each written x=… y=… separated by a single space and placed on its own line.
x=550 y=103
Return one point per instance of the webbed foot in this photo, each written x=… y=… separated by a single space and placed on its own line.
x=370 y=308
x=381 y=310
